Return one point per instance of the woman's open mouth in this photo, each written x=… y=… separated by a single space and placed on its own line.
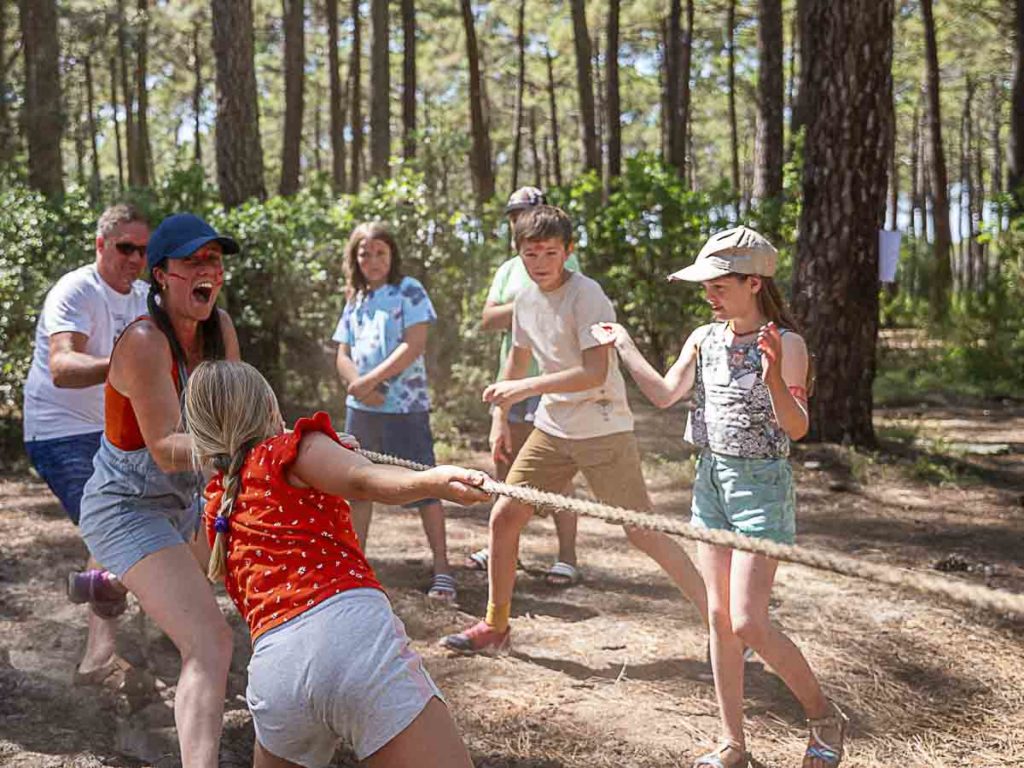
x=203 y=291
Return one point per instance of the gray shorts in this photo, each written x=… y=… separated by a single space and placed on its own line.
x=342 y=670
x=131 y=508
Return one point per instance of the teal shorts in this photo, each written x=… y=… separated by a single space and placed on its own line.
x=754 y=497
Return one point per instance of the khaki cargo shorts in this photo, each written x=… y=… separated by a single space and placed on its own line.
x=611 y=464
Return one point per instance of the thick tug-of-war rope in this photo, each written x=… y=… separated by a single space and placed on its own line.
x=968 y=594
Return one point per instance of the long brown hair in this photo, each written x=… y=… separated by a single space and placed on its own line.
x=772 y=305
x=229 y=409
x=370 y=230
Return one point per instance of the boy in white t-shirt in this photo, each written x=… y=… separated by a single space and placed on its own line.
x=583 y=421
x=82 y=316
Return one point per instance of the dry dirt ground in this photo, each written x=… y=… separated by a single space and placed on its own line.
x=611 y=672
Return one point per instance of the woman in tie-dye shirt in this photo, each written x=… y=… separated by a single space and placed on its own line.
x=381 y=337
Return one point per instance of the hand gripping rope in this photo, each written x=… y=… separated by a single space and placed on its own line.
x=968 y=594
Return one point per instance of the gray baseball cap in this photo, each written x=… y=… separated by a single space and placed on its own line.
x=524 y=198
x=739 y=249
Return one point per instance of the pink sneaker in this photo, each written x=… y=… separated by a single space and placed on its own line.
x=101 y=589
x=480 y=638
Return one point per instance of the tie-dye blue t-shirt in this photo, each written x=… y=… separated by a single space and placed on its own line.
x=372 y=325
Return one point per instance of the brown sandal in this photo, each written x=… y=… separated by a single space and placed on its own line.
x=716 y=759
x=118 y=676
x=829 y=753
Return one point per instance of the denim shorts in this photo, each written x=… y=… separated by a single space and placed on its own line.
x=65 y=464
x=341 y=671
x=754 y=497
x=132 y=509
x=404 y=435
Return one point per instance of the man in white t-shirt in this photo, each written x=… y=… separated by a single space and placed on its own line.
x=82 y=316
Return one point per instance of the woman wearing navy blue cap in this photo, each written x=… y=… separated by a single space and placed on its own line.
x=140 y=509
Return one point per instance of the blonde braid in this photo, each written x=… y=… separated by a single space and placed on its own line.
x=232 y=484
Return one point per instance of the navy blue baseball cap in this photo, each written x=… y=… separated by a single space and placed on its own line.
x=181 y=235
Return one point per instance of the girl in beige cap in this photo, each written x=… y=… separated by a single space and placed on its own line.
x=748 y=372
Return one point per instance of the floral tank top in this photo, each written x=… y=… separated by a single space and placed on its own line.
x=733 y=415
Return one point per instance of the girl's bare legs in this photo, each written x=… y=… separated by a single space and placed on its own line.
x=432 y=733
x=362 y=512
x=726 y=647
x=751 y=587
x=176 y=595
x=432 y=516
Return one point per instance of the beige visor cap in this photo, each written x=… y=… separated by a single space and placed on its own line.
x=739 y=249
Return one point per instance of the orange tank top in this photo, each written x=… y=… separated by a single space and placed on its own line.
x=120 y=426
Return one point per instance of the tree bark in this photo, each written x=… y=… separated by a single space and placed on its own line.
x=612 y=101
x=538 y=168
x=77 y=112
x=894 y=177
x=585 y=87
x=380 y=90
x=480 y=156
x=117 y=124
x=409 y=79
x=996 y=181
x=197 y=94
x=770 y=146
x=556 y=152
x=90 y=107
x=355 y=72
x=143 y=150
x=294 y=14
x=674 y=129
x=517 y=122
x=686 y=56
x=835 y=287
x=794 y=36
x=128 y=96
x=6 y=132
x=42 y=119
x=914 y=162
x=734 y=136
x=942 y=276
x=337 y=129
x=1015 y=182
x=239 y=155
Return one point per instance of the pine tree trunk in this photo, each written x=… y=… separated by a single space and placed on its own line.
x=835 y=287
x=517 y=122
x=197 y=94
x=996 y=186
x=794 y=36
x=674 y=129
x=90 y=106
x=337 y=129
x=294 y=14
x=914 y=163
x=967 y=190
x=585 y=87
x=42 y=120
x=356 y=91
x=1015 y=182
x=480 y=155
x=979 y=266
x=239 y=155
x=734 y=136
x=768 y=176
x=128 y=96
x=894 y=179
x=685 y=128
x=117 y=124
x=941 y=278
x=556 y=152
x=409 y=79
x=534 y=151
x=6 y=132
x=612 y=101
x=143 y=151
x=78 y=133
x=380 y=90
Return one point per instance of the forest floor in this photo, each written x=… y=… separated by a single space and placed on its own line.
x=611 y=672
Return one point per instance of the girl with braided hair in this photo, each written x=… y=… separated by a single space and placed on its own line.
x=140 y=508
x=330 y=661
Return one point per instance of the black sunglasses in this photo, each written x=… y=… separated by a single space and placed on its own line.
x=127 y=249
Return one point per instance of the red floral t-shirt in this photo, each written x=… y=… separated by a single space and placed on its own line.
x=288 y=548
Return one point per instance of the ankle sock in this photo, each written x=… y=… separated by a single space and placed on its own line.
x=498 y=616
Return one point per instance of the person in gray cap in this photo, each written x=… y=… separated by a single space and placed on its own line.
x=748 y=372
x=508 y=281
